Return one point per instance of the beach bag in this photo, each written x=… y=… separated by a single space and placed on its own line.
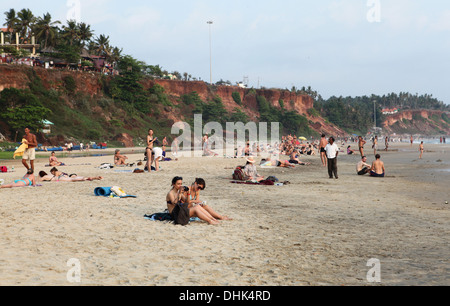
x=272 y=178
x=238 y=174
x=180 y=214
x=3 y=169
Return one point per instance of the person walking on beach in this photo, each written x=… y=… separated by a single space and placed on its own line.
x=421 y=149
x=386 y=143
x=323 y=143
x=375 y=145
x=332 y=152
x=361 y=143
x=30 y=152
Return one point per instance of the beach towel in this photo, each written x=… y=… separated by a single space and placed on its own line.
x=165 y=216
x=266 y=182
x=21 y=149
x=113 y=192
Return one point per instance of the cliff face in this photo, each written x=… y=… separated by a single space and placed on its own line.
x=428 y=122
x=90 y=83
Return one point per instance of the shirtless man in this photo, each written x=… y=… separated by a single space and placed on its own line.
x=362 y=167
x=30 y=151
x=377 y=169
x=361 y=143
x=323 y=143
x=375 y=145
x=421 y=149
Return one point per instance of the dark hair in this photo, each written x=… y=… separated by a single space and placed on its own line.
x=176 y=179
x=53 y=169
x=323 y=135
x=200 y=181
x=377 y=156
x=42 y=173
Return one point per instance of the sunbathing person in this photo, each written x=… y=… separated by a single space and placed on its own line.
x=377 y=169
x=293 y=159
x=27 y=180
x=276 y=162
x=180 y=194
x=119 y=160
x=194 y=198
x=250 y=171
x=58 y=176
x=53 y=161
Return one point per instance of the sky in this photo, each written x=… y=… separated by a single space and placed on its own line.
x=338 y=47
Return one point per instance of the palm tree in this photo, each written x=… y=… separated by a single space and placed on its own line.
x=101 y=45
x=25 y=23
x=11 y=20
x=71 y=31
x=46 y=28
x=85 y=33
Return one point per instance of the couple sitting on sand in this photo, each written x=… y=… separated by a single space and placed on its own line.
x=191 y=196
x=376 y=170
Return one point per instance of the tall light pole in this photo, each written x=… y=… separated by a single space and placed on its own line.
x=210 y=53
x=374 y=115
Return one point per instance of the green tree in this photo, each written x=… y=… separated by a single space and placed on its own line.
x=24 y=24
x=11 y=21
x=21 y=108
x=47 y=29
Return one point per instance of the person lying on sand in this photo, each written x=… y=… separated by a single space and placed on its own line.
x=27 y=180
x=293 y=158
x=278 y=163
x=58 y=176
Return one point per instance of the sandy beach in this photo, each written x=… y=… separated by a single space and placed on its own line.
x=313 y=231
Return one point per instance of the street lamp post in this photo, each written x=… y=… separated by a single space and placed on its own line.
x=374 y=115
x=210 y=53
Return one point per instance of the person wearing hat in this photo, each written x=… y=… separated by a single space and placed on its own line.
x=250 y=171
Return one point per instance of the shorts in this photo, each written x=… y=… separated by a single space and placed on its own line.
x=322 y=150
x=29 y=154
x=158 y=152
x=373 y=174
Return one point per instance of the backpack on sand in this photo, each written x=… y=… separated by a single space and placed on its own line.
x=238 y=174
x=181 y=214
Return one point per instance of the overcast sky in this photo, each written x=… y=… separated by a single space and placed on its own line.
x=338 y=47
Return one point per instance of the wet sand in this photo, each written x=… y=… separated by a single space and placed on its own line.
x=313 y=231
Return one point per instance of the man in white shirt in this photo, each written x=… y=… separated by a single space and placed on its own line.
x=332 y=152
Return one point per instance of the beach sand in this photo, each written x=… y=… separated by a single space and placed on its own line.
x=313 y=231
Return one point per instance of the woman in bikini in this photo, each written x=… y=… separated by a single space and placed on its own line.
x=194 y=198
x=149 y=149
x=58 y=176
x=53 y=161
x=27 y=180
x=179 y=193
